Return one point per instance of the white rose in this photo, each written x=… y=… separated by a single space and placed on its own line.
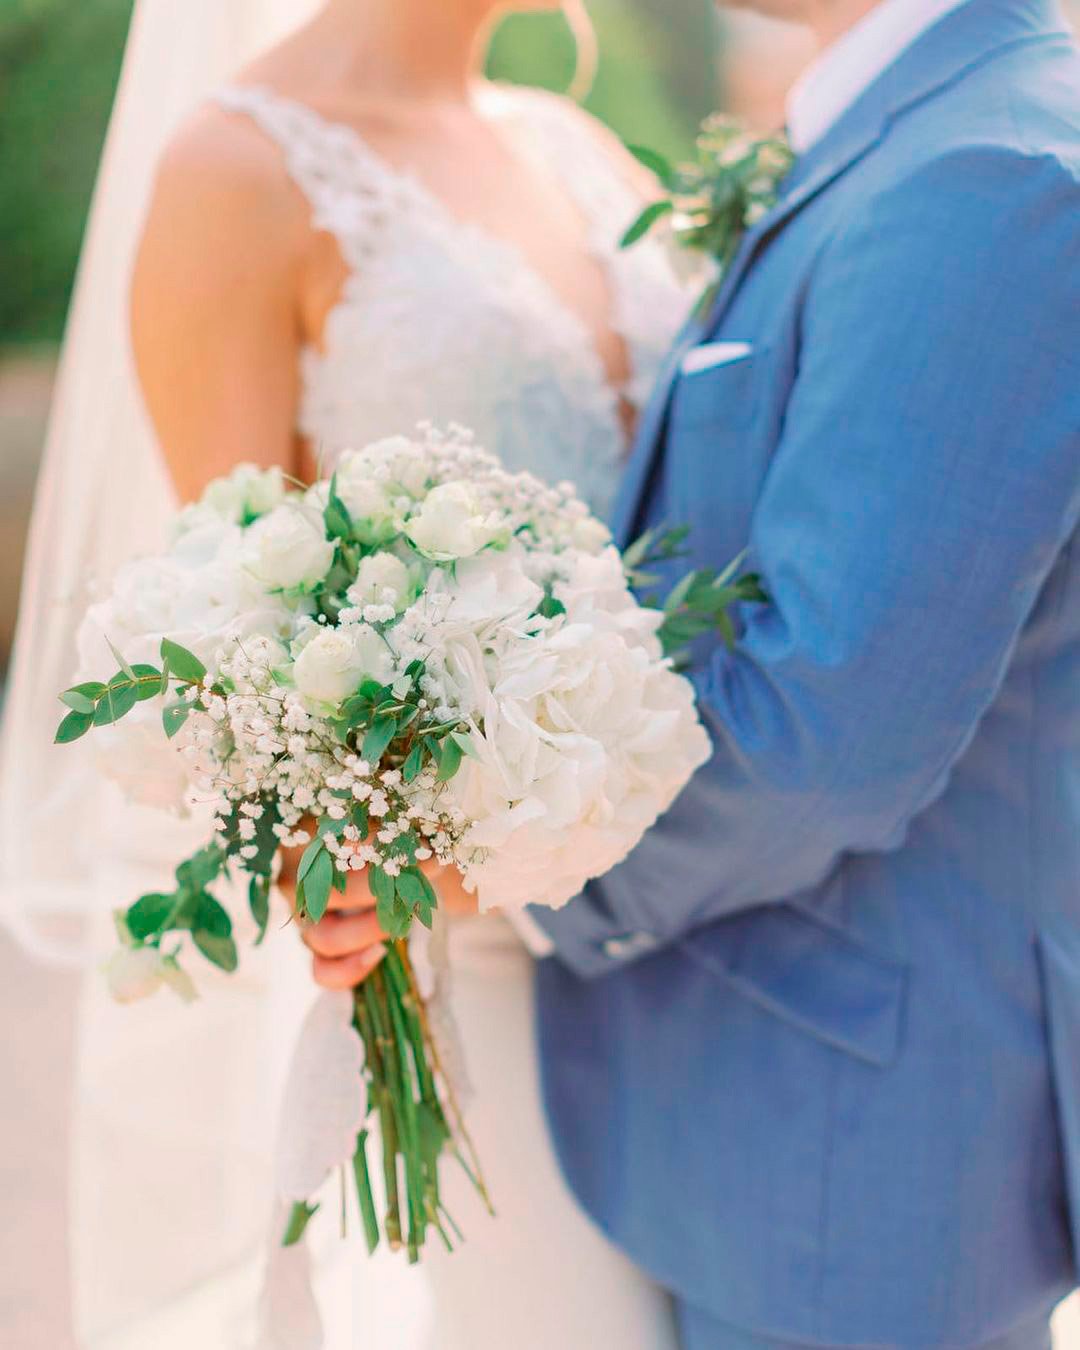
x=336 y=660
x=367 y=501
x=377 y=575
x=245 y=493
x=450 y=524
x=134 y=973
x=288 y=548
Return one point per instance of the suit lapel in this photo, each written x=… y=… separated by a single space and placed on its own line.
x=960 y=42
x=649 y=433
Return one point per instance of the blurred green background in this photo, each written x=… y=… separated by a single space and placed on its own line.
x=59 y=61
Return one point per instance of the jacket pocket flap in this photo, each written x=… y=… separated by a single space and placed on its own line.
x=812 y=974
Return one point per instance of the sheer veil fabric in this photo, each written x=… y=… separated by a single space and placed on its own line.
x=174 y=1113
x=103 y=495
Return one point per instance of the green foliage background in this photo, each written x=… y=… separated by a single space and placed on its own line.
x=59 y=62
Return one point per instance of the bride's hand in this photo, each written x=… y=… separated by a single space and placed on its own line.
x=348 y=942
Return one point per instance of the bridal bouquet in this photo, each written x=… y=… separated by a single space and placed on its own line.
x=423 y=657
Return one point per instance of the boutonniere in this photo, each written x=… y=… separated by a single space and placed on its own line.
x=712 y=200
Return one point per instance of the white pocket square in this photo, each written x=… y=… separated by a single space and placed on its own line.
x=714 y=354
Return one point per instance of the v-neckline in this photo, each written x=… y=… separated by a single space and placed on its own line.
x=405 y=177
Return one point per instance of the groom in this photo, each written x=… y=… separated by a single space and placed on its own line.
x=812 y=1054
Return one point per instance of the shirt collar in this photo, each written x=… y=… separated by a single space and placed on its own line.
x=852 y=63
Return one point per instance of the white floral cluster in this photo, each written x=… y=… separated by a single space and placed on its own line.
x=539 y=730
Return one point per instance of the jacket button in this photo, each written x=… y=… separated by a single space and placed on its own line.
x=633 y=944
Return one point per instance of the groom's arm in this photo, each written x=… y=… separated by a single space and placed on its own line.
x=927 y=477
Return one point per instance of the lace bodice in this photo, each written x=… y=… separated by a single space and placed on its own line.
x=442 y=321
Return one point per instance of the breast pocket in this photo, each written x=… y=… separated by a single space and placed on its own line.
x=716 y=452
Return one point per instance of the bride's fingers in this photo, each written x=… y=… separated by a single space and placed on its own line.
x=343 y=934
x=345 y=972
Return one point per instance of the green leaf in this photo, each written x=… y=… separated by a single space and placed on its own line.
x=381 y=732
x=83 y=697
x=359 y=816
x=196 y=873
x=184 y=665
x=307 y=859
x=220 y=951
x=117 y=701
x=465 y=741
x=74 y=725
x=317 y=884
x=299 y=1218
x=681 y=591
x=644 y=223
x=336 y=516
x=449 y=760
x=380 y=884
x=125 y=668
x=732 y=567
x=259 y=904
x=174 y=716
x=212 y=917
x=656 y=163
x=415 y=889
x=149 y=915
x=414 y=763
x=148 y=682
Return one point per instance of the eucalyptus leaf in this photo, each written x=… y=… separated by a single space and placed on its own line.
x=196 y=872
x=120 y=661
x=83 y=697
x=174 y=717
x=147 y=682
x=220 y=951
x=212 y=917
x=74 y=725
x=184 y=665
x=118 y=699
x=149 y=914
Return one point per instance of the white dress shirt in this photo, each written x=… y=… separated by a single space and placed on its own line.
x=853 y=62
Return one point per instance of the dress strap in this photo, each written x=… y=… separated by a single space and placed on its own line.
x=352 y=193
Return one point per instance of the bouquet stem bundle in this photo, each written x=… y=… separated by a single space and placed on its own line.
x=423 y=657
x=403 y=1072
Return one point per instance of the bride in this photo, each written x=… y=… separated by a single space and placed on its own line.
x=355 y=233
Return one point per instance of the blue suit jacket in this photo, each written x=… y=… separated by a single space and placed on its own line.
x=812 y=1054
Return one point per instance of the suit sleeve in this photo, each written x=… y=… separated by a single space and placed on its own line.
x=927 y=477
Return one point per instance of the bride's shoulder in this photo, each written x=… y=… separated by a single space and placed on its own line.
x=567 y=121
x=222 y=164
x=222 y=213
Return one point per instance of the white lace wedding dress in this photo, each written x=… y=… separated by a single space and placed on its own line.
x=438 y=320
